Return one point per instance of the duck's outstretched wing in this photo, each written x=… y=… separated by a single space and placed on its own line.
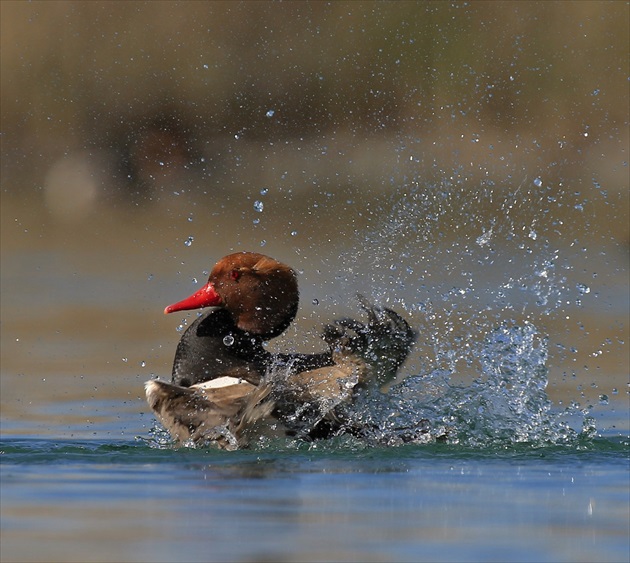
x=384 y=342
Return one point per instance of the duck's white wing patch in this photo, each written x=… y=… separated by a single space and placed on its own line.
x=224 y=381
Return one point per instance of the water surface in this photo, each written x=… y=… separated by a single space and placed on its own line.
x=122 y=500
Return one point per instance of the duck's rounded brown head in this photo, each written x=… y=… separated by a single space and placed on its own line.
x=260 y=293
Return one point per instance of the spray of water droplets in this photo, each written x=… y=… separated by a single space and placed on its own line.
x=475 y=283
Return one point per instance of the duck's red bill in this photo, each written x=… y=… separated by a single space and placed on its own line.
x=205 y=297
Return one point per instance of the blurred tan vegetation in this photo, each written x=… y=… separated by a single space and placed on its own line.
x=493 y=87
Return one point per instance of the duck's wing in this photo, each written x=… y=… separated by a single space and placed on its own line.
x=384 y=342
x=328 y=385
x=306 y=400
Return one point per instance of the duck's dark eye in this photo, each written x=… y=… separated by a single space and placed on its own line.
x=235 y=274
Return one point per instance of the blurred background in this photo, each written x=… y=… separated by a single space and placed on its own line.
x=449 y=158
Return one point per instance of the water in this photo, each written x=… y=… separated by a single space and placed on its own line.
x=122 y=500
x=493 y=445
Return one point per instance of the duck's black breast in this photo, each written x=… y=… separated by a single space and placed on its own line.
x=213 y=347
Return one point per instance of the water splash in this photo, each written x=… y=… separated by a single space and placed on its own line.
x=505 y=405
x=158 y=438
x=482 y=267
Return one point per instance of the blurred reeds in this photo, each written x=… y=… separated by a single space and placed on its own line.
x=338 y=94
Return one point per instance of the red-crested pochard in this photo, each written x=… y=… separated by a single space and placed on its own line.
x=226 y=388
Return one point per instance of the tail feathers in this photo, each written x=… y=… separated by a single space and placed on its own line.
x=257 y=417
x=199 y=415
x=256 y=408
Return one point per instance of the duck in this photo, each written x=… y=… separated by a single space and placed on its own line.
x=228 y=390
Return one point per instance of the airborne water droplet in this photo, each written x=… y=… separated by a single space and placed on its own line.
x=485 y=238
x=189 y=241
x=583 y=289
x=259 y=206
x=228 y=340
